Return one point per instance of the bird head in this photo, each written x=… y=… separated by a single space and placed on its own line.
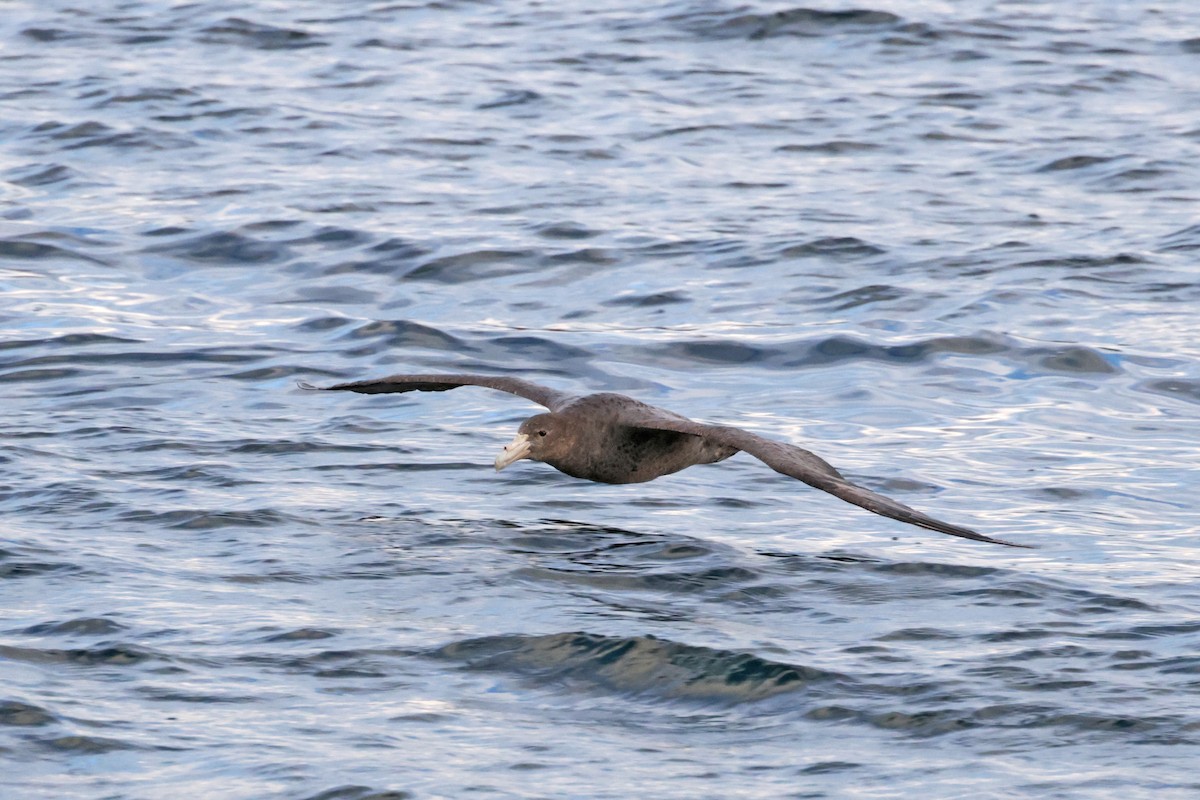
x=540 y=438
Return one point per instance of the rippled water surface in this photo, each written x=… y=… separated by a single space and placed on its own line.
x=952 y=247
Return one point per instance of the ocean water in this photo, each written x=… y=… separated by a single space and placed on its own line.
x=951 y=247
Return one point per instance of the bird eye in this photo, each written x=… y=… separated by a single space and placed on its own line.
x=541 y=433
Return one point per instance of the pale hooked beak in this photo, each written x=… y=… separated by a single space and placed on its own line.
x=515 y=450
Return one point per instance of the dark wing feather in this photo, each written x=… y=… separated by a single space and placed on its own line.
x=543 y=395
x=798 y=463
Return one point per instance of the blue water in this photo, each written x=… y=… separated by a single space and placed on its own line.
x=951 y=247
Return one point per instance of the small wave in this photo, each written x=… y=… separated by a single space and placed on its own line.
x=204 y=520
x=89 y=745
x=224 y=248
x=475 y=265
x=1176 y=388
x=1075 y=162
x=18 y=714
x=793 y=22
x=652 y=300
x=113 y=655
x=243 y=32
x=355 y=792
x=836 y=147
x=28 y=249
x=80 y=626
x=842 y=247
x=637 y=665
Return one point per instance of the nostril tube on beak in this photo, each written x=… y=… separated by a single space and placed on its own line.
x=515 y=450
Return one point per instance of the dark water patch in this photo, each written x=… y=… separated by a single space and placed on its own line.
x=513 y=97
x=321 y=324
x=836 y=147
x=163 y=694
x=86 y=745
x=43 y=175
x=1017 y=716
x=1111 y=723
x=301 y=635
x=268 y=373
x=752 y=185
x=331 y=294
x=923 y=723
x=124 y=357
x=148 y=96
x=114 y=655
x=225 y=248
x=272 y=575
x=220 y=475
x=1182 y=240
x=1022 y=635
x=639 y=665
x=916 y=635
x=1075 y=359
x=292 y=446
x=533 y=349
x=712 y=352
x=1175 y=388
x=588 y=255
x=832 y=247
x=842 y=348
x=331 y=664
x=830 y=767
x=682 y=130
x=1088 y=267
x=1068 y=163
x=24 y=715
x=332 y=237
x=958 y=99
x=356 y=792
x=1151 y=631
x=476 y=265
x=245 y=33
x=393 y=256
x=565 y=230
x=861 y=296
x=605 y=572
x=396 y=466
x=652 y=300
x=400 y=334
x=1178 y=665
x=1060 y=685
x=1008 y=588
x=94 y=134
x=67 y=340
x=204 y=520
x=80 y=626
x=61 y=131
x=1140 y=179
x=803 y=22
x=30 y=568
x=1026 y=361
x=28 y=249
x=676 y=249
x=48 y=35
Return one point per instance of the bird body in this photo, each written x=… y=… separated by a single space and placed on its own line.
x=611 y=438
x=587 y=438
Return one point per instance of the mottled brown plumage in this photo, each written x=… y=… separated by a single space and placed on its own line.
x=612 y=438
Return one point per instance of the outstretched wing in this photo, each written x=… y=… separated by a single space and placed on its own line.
x=798 y=463
x=543 y=395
